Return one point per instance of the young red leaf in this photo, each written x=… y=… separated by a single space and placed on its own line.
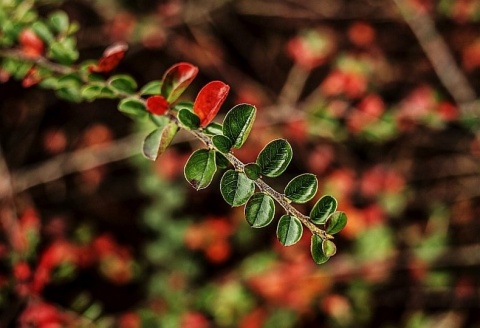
x=157 y=105
x=208 y=101
x=111 y=58
x=176 y=79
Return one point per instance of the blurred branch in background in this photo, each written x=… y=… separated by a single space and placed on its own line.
x=437 y=51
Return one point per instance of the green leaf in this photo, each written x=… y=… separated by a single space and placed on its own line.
x=42 y=31
x=323 y=209
x=252 y=170
x=59 y=21
x=236 y=188
x=329 y=248
x=302 y=188
x=289 y=230
x=275 y=157
x=222 y=161
x=63 y=52
x=238 y=123
x=317 y=250
x=260 y=210
x=183 y=104
x=188 y=119
x=213 y=129
x=70 y=93
x=200 y=168
x=123 y=83
x=91 y=91
x=336 y=222
x=157 y=141
x=151 y=88
x=133 y=107
x=222 y=143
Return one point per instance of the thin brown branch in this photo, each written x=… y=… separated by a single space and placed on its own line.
x=437 y=51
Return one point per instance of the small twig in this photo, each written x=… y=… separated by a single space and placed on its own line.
x=293 y=86
x=39 y=60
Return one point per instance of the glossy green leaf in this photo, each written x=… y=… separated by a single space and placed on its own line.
x=222 y=161
x=260 y=210
x=59 y=21
x=176 y=79
x=322 y=209
x=253 y=171
x=200 y=168
x=236 y=188
x=275 y=157
x=317 y=250
x=336 y=222
x=133 y=107
x=289 y=230
x=213 y=129
x=188 y=119
x=151 y=88
x=302 y=188
x=157 y=142
x=238 y=123
x=123 y=83
x=329 y=248
x=222 y=143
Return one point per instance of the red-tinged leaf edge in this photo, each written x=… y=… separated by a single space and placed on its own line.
x=176 y=79
x=209 y=100
x=157 y=105
x=111 y=58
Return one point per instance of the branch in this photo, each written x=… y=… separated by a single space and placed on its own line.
x=439 y=55
x=38 y=60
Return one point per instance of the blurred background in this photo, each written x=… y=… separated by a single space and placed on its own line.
x=377 y=98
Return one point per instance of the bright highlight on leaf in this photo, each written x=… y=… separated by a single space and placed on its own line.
x=302 y=188
x=336 y=222
x=157 y=142
x=289 y=230
x=275 y=157
x=176 y=79
x=329 y=248
x=209 y=100
x=200 y=168
x=238 y=123
x=236 y=188
x=157 y=105
x=316 y=249
x=323 y=209
x=260 y=210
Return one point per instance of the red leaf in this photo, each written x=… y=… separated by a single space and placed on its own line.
x=157 y=105
x=209 y=100
x=111 y=58
x=176 y=79
x=31 y=45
